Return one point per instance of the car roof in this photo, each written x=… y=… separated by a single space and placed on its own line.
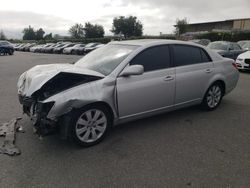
x=149 y=42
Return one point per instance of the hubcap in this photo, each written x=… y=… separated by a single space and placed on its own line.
x=91 y=125
x=214 y=96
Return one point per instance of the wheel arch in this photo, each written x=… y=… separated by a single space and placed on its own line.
x=103 y=104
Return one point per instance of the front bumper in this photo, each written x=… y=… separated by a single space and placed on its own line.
x=38 y=111
x=242 y=65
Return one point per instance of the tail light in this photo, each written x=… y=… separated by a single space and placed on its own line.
x=235 y=66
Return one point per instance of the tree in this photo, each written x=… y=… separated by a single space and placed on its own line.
x=181 y=26
x=2 y=35
x=48 y=37
x=39 y=34
x=129 y=26
x=77 y=31
x=93 y=31
x=29 y=34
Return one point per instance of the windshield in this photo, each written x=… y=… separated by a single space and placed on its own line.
x=218 y=46
x=91 y=45
x=246 y=46
x=106 y=59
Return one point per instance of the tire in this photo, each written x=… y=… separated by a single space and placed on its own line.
x=10 y=52
x=213 y=97
x=73 y=52
x=90 y=125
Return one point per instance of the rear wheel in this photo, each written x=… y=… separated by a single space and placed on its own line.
x=213 y=97
x=90 y=125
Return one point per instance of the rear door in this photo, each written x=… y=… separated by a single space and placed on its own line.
x=194 y=68
x=153 y=90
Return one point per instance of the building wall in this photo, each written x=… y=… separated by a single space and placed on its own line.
x=227 y=25
x=242 y=24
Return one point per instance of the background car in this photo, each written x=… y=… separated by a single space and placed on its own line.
x=21 y=48
x=49 y=49
x=73 y=49
x=81 y=51
x=92 y=47
x=243 y=61
x=226 y=49
x=36 y=48
x=27 y=47
x=121 y=82
x=243 y=42
x=246 y=46
x=203 y=42
x=43 y=49
x=59 y=49
x=16 y=47
x=6 y=47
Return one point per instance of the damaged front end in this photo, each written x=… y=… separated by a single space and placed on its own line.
x=34 y=89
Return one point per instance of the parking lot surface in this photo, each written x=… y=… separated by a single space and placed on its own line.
x=185 y=148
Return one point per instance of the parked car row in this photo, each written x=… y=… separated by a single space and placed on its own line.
x=58 y=48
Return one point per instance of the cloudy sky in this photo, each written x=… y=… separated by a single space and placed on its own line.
x=157 y=15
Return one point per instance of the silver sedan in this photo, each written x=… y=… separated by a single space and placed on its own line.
x=121 y=82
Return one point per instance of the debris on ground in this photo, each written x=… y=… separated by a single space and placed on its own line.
x=8 y=130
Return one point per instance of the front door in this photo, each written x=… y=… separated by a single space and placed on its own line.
x=153 y=90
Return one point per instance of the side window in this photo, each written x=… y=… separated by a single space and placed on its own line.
x=186 y=55
x=153 y=58
x=205 y=57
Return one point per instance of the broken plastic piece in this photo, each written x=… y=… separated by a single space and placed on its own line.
x=8 y=130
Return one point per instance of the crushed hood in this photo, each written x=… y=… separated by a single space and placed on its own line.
x=35 y=78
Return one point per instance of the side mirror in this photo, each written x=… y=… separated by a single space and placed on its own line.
x=132 y=70
x=230 y=49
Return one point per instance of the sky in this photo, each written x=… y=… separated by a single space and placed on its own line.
x=157 y=16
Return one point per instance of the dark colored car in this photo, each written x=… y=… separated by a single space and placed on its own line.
x=226 y=49
x=59 y=50
x=6 y=48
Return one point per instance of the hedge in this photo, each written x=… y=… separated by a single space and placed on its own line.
x=233 y=36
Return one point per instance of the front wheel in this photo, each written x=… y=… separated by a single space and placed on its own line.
x=213 y=97
x=90 y=125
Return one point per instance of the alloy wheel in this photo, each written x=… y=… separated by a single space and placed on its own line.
x=91 y=125
x=214 y=96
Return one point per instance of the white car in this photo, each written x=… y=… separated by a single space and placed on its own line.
x=243 y=61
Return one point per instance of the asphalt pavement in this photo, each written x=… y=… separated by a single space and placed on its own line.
x=184 y=148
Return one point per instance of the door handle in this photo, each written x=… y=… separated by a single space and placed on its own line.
x=168 y=78
x=208 y=71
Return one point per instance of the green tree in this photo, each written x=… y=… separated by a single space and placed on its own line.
x=48 y=37
x=181 y=26
x=2 y=35
x=39 y=34
x=77 y=31
x=93 y=31
x=128 y=26
x=29 y=34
